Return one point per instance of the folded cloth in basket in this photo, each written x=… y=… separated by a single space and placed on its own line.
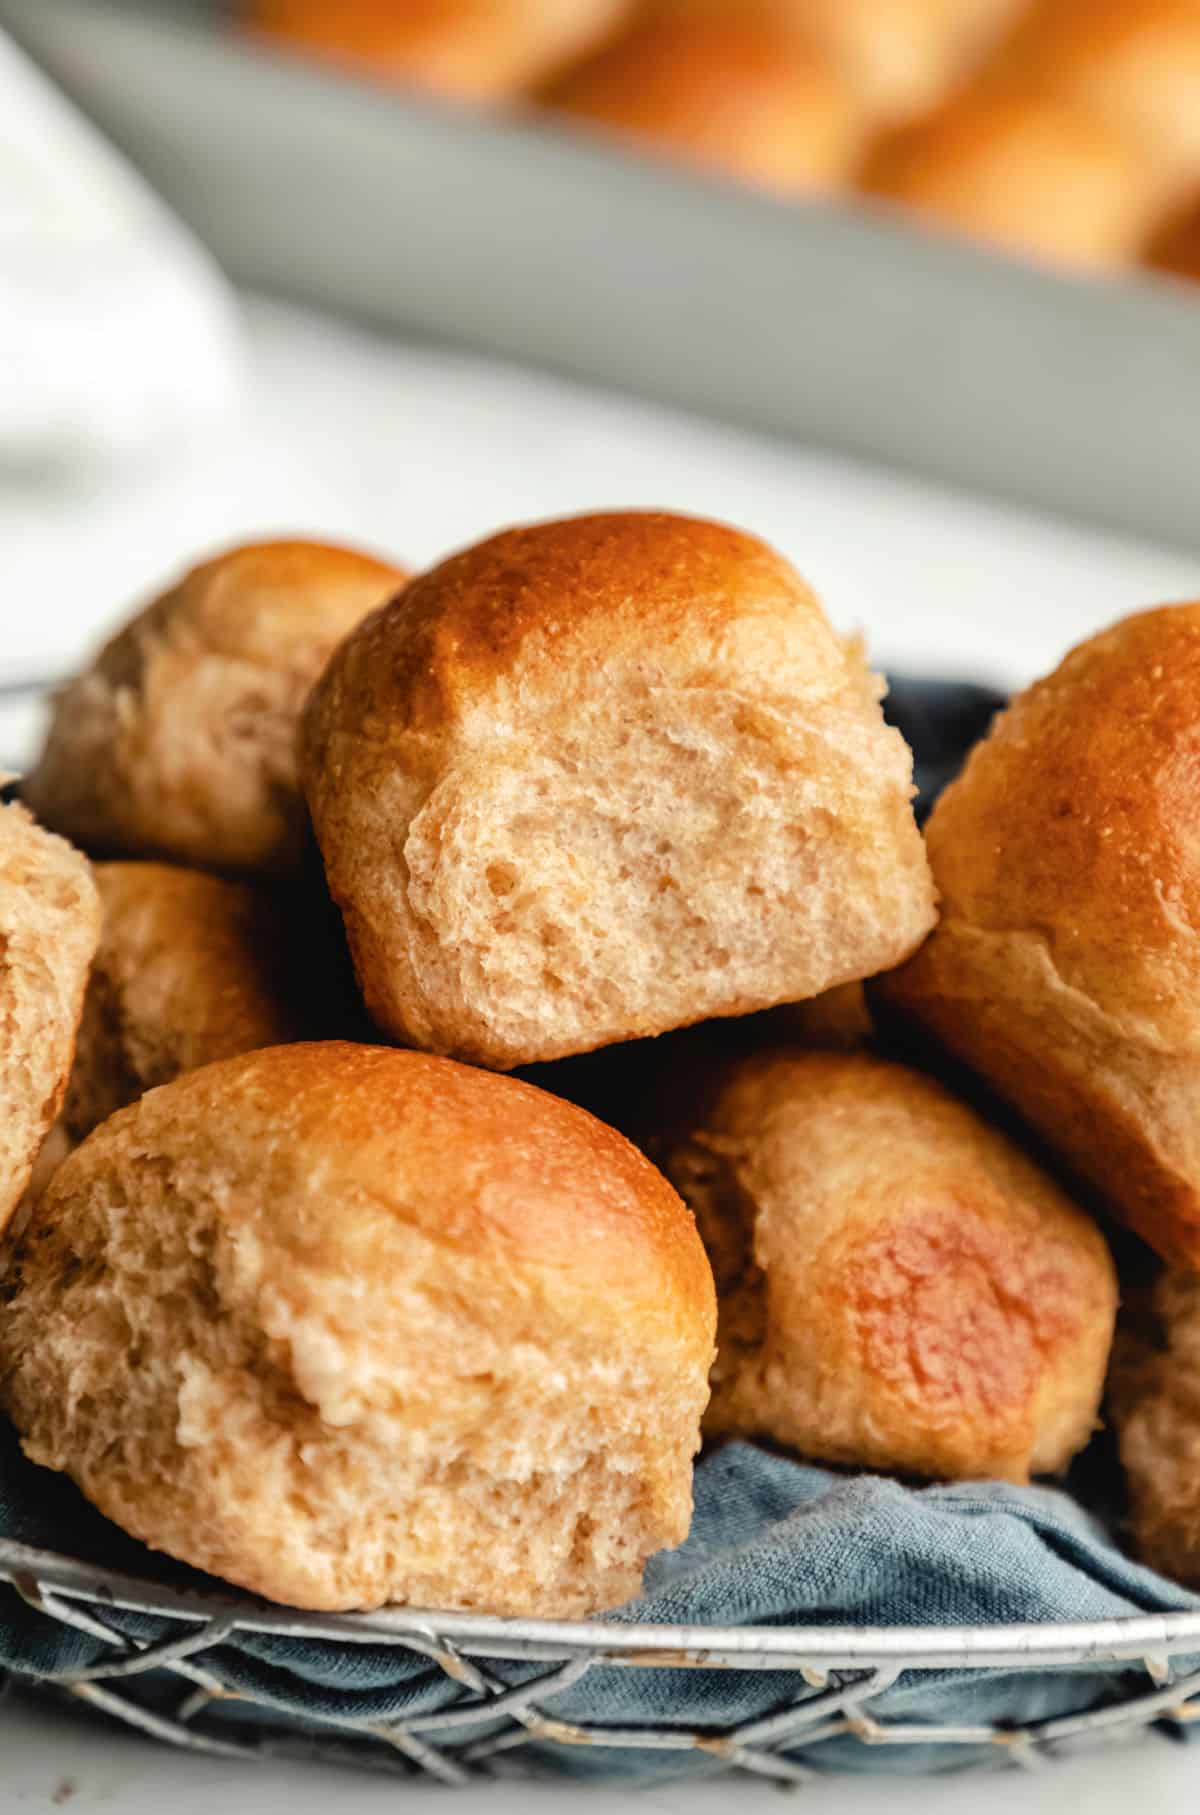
x=774 y=1543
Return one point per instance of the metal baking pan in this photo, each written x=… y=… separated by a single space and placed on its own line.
x=840 y=325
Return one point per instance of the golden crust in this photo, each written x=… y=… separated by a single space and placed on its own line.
x=348 y=1325
x=179 y=740
x=1033 y=173
x=900 y=1287
x=468 y=49
x=1134 y=63
x=510 y=611
x=529 y=779
x=902 y=55
x=191 y=968
x=49 y=927
x=1154 y=1392
x=731 y=90
x=1175 y=247
x=1066 y=966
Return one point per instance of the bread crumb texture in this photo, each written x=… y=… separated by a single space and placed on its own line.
x=191 y=968
x=900 y=1287
x=1066 y=965
x=49 y=927
x=1155 y=1396
x=346 y=1325
x=599 y=778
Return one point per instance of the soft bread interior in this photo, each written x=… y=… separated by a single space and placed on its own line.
x=343 y=1430
x=651 y=861
x=49 y=925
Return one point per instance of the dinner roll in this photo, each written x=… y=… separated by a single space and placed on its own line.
x=1026 y=172
x=347 y=1325
x=899 y=1286
x=179 y=740
x=599 y=778
x=49 y=926
x=469 y=49
x=1135 y=63
x=1066 y=967
x=732 y=91
x=902 y=55
x=1154 y=1392
x=1175 y=248
x=191 y=968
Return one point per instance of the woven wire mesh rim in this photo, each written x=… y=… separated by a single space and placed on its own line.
x=440 y=1744
x=1136 y=1638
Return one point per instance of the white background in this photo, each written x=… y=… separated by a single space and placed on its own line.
x=415 y=451
x=418 y=451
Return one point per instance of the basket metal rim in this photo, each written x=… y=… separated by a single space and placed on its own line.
x=1131 y=1638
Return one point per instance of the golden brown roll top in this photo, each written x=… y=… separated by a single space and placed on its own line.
x=1032 y=173
x=346 y=1325
x=899 y=1286
x=467 y=49
x=191 y=968
x=179 y=740
x=730 y=89
x=603 y=777
x=1066 y=965
x=49 y=927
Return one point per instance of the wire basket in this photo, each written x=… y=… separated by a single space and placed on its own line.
x=835 y=1676
x=843 y=1672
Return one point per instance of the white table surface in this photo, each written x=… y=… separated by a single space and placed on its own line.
x=44 y=1757
x=415 y=451
x=418 y=451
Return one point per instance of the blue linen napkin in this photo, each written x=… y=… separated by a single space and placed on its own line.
x=774 y=1542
